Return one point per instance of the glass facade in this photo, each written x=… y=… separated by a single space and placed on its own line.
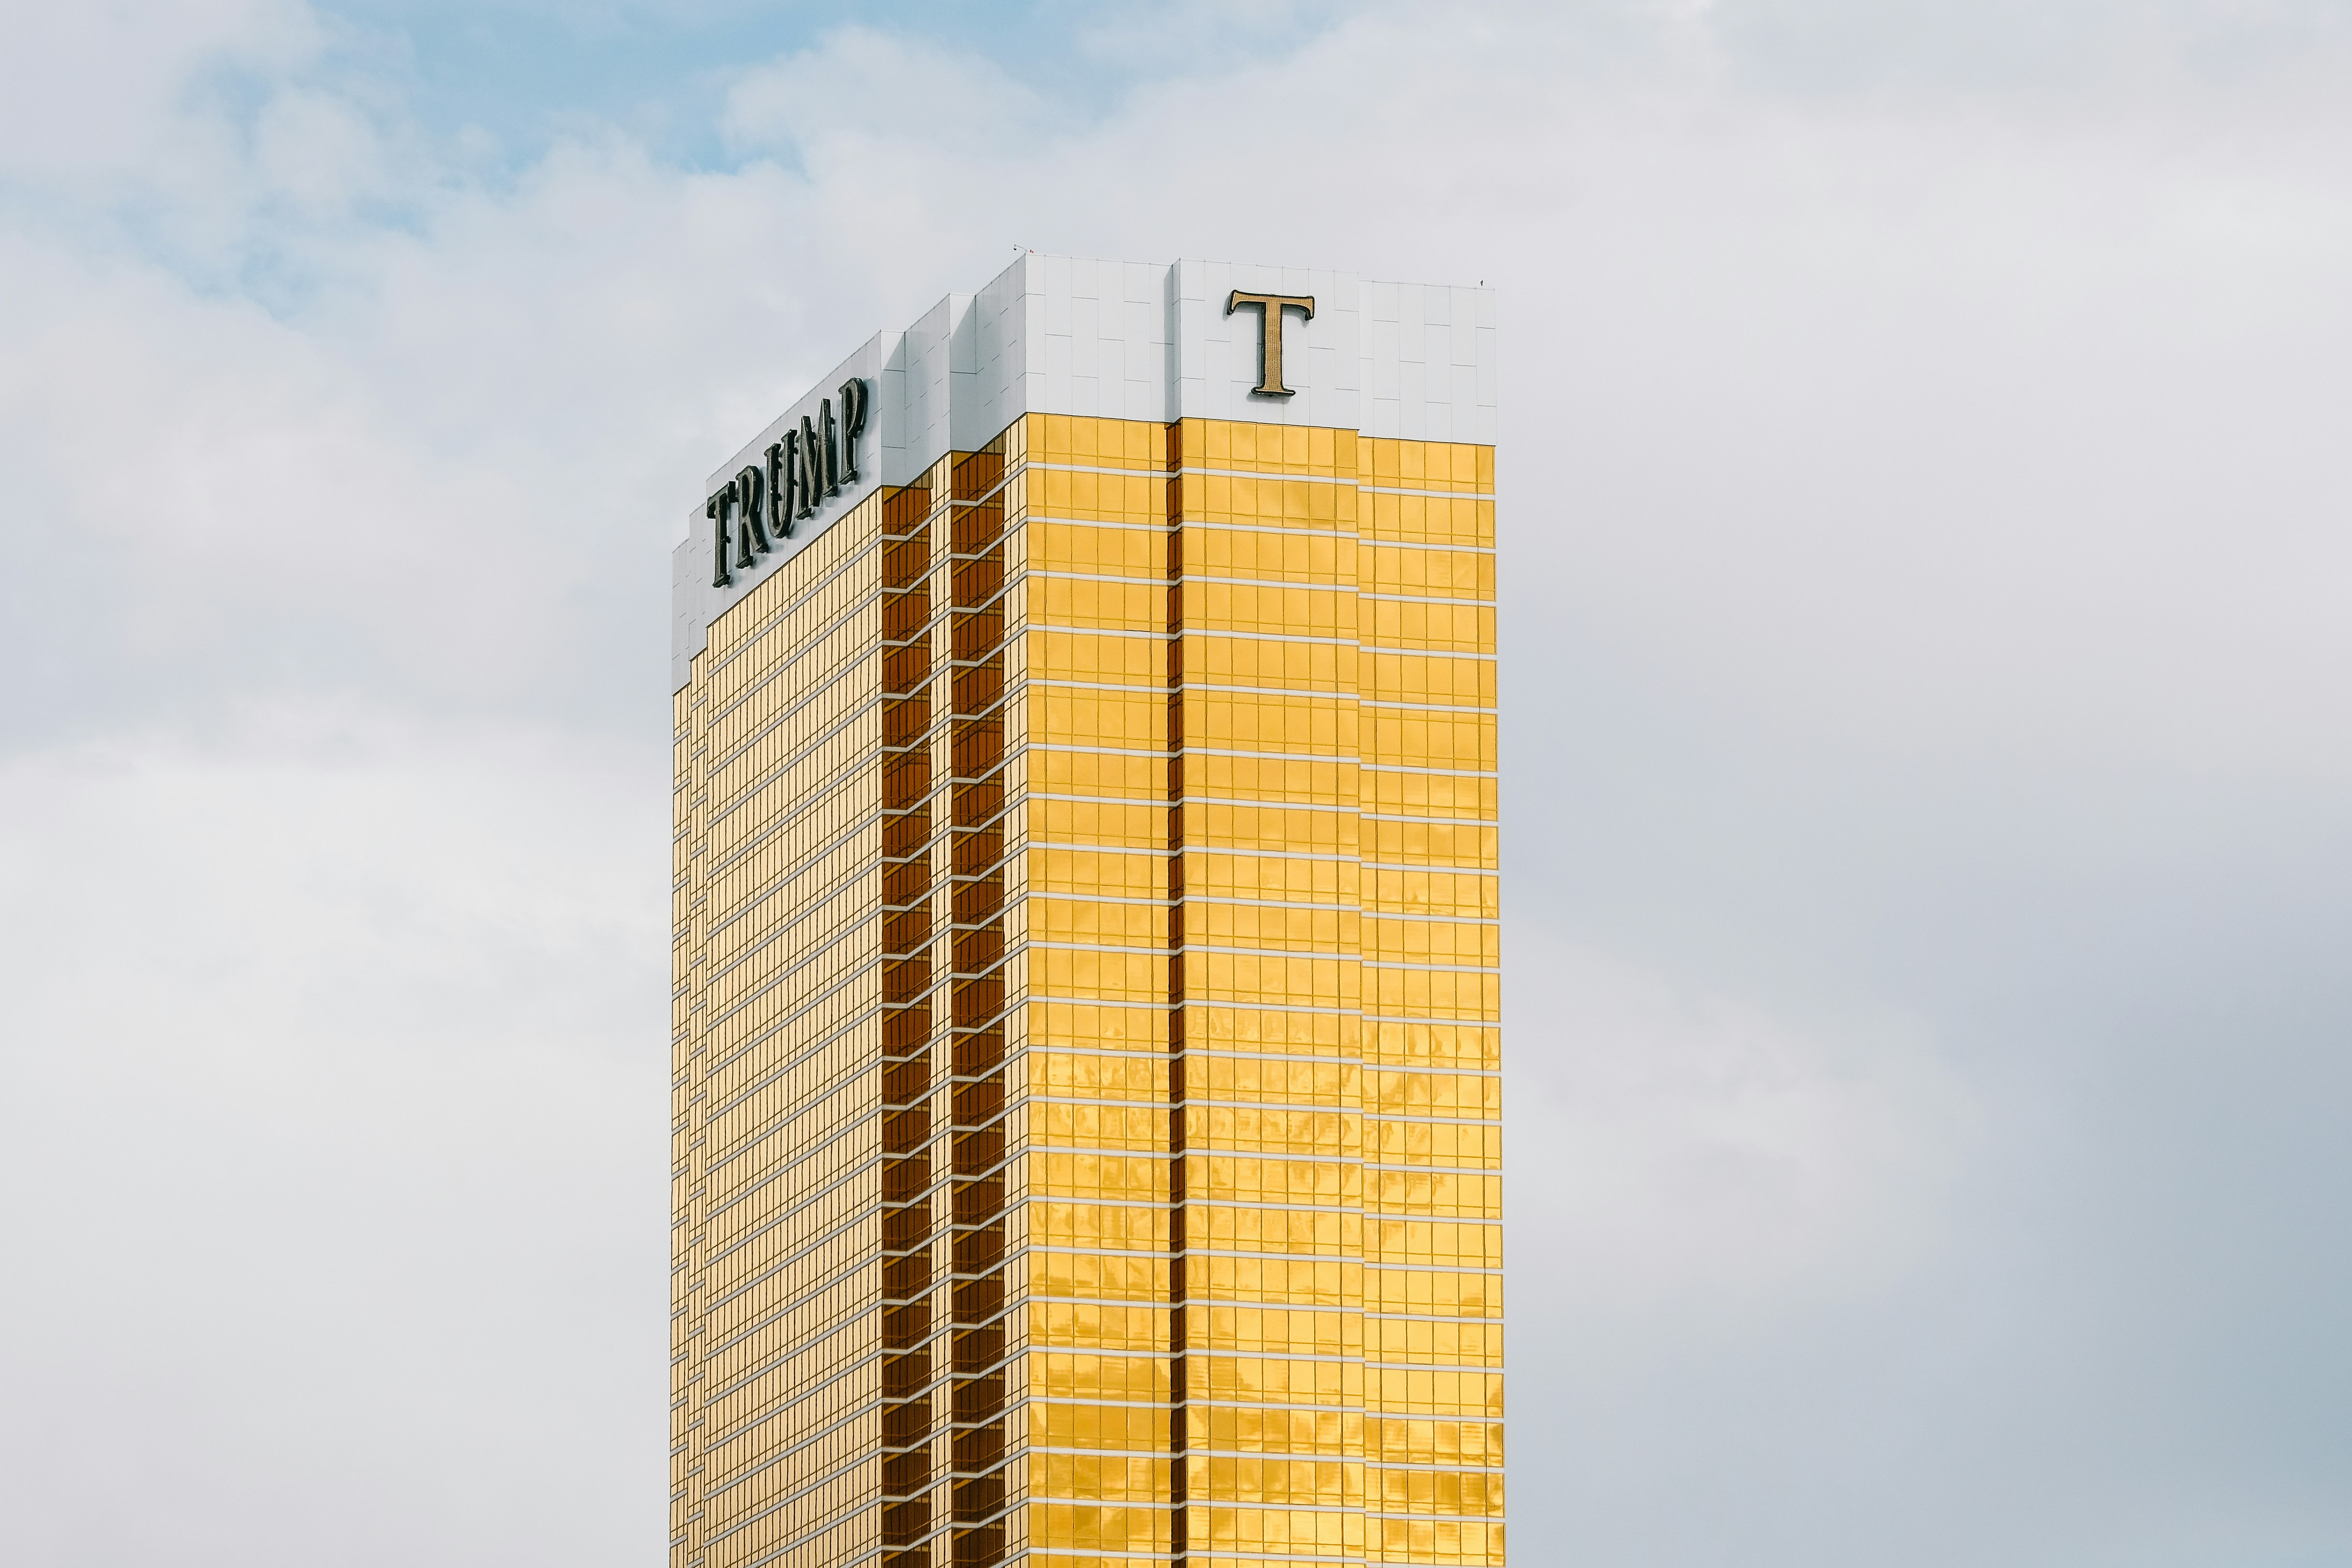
x=1087 y=1097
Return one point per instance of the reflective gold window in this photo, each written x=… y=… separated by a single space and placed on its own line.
x=1086 y=1098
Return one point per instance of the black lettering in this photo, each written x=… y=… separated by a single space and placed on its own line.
x=717 y=514
x=780 y=503
x=731 y=510
x=811 y=479
x=832 y=448
x=751 y=485
x=853 y=426
x=796 y=480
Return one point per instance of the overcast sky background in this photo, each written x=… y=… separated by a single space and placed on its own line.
x=1928 y=517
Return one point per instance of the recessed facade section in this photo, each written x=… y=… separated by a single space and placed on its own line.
x=1086 y=1033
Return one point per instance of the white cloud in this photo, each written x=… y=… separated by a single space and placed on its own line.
x=318 y=150
x=117 y=92
x=1693 y=1159
x=123 y=125
x=859 y=92
x=1973 y=431
x=330 y=1102
x=227 y=493
x=2010 y=439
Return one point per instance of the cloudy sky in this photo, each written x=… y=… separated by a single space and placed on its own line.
x=1929 y=702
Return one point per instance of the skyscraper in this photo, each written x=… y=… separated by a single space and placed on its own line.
x=1084 y=1033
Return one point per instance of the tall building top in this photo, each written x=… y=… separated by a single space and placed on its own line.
x=1118 y=340
x=1087 y=1097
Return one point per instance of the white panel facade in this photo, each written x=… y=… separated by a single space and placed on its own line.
x=1122 y=339
x=1218 y=360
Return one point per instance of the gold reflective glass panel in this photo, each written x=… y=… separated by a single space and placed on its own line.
x=1086 y=1110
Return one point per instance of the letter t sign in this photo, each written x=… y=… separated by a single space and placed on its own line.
x=1269 y=333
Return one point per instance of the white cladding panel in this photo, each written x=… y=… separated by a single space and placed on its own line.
x=1218 y=362
x=1429 y=363
x=1123 y=340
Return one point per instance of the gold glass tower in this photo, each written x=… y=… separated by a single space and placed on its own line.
x=1085 y=1096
